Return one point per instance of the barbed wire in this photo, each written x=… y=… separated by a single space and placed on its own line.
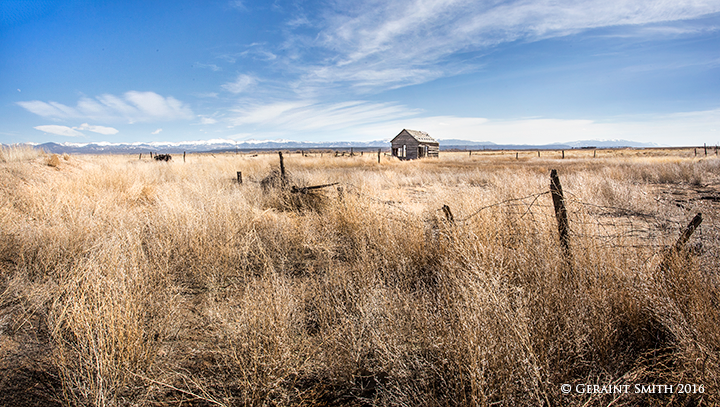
x=615 y=224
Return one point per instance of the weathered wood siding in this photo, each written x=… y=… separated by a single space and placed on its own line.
x=411 y=146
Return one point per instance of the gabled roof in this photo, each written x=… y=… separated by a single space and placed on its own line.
x=420 y=136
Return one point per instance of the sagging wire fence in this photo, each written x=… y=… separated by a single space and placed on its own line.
x=610 y=226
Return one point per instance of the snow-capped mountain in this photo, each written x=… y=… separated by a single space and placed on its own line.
x=196 y=146
x=220 y=145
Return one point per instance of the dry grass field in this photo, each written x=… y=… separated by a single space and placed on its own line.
x=127 y=282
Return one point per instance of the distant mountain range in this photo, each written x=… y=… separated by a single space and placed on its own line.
x=223 y=145
x=487 y=145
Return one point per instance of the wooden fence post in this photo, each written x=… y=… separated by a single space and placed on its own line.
x=239 y=177
x=140 y=157
x=448 y=214
x=594 y=153
x=680 y=244
x=563 y=154
x=560 y=214
x=685 y=236
x=516 y=155
x=282 y=167
x=183 y=156
x=705 y=147
x=538 y=153
x=378 y=156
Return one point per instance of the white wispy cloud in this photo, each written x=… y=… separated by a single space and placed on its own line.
x=206 y=94
x=375 y=44
x=207 y=120
x=308 y=115
x=133 y=106
x=240 y=84
x=363 y=120
x=156 y=131
x=97 y=129
x=237 y=4
x=59 y=130
x=212 y=67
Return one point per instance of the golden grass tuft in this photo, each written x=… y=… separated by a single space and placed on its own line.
x=53 y=160
x=18 y=152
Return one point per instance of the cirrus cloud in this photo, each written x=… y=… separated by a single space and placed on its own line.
x=370 y=45
x=97 y=129
x=241 y=84
x=133 y=107
x=59 y=130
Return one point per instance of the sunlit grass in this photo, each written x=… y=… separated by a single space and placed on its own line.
x=162 y=282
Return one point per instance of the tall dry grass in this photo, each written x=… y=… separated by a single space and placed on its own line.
x=18 y=152
x=168 y=283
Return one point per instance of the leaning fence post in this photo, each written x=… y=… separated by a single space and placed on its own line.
x=560 y=213
x=680 y=244
x=448 y=215
x=685 y=236
x=140 y=157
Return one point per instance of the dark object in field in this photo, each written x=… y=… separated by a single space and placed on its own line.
x=163 y=157
x=448 y=214
x=304 y=190
x=560 y=213
x=676 y=250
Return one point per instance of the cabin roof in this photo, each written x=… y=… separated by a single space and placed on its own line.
x=420 y=136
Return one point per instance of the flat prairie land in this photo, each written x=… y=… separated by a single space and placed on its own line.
x=128 y=282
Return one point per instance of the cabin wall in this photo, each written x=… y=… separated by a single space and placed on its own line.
x=411 y=146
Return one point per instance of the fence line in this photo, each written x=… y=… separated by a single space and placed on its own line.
x=615 y=223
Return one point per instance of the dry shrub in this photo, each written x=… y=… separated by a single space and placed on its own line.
x=283 y=193
x=53 y=160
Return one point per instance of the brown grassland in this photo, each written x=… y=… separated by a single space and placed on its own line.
x=127 y=282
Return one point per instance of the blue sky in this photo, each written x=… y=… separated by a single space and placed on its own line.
x=526 y=71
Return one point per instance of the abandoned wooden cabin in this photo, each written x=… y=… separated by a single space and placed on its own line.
x=412 y=144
